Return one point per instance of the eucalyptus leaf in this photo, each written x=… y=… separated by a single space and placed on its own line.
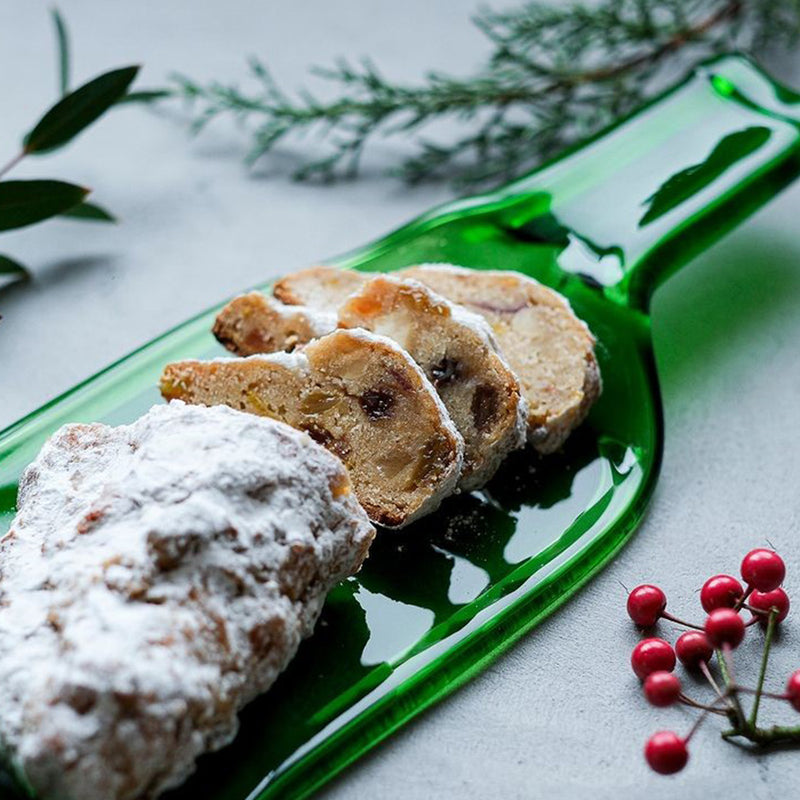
x=146 y=96
x=11 y=271
x=8 y=266
x=62 y=42
x=91 y=212
x=25 y=202
x=77 y=110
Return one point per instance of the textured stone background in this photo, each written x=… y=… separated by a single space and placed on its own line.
x=560 y=715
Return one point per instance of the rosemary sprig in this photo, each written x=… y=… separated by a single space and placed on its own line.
x=556 y=75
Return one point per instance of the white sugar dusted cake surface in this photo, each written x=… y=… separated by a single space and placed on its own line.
x=157 y=577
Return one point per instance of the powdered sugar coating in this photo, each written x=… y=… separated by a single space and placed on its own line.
x=320 y=320
x=157 y=577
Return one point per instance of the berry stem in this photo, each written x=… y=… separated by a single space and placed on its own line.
x=688 y=701
x=679 y=621
x=743 y=599
x=726 y=668
x=708 y=710
x=765 y=736
x=763 y=671
x=710 y=678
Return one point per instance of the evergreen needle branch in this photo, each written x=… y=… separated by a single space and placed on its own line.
x=555 y=75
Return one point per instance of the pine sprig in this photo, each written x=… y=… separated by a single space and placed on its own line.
x=555 y=75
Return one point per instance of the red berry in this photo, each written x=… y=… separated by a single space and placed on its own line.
x=724 y=626
x=721 y=591
x=763 y=569
x=662 y=688
x=652 y=655
x=645 y=604
x=693 y=647
x=666 y=752
x=793 y=689
x=766 y=601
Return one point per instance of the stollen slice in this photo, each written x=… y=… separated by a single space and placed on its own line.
x=549 y=348
x=357 y=394
x=455 y=349
x=256 y=323
x=320 y=288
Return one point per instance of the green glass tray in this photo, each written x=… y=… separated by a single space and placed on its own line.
x=604 y=224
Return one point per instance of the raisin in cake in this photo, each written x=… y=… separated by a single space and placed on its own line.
x=157 y=577
x=455 y=350
x=359 y=395
x=549 y=348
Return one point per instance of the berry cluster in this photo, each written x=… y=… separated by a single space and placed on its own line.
x=723 y=598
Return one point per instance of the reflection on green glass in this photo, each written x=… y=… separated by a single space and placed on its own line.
x=683 y=185
x=436 y=601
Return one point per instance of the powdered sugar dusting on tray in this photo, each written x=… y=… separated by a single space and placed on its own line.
x=157 y=577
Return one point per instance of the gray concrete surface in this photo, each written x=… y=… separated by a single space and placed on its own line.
x=560 y=715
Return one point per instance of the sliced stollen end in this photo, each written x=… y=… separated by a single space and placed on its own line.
x=320 y=288
x=549 y=348
x=157 y=577
x=455 y=350
x=357 y=394
x=255 y=323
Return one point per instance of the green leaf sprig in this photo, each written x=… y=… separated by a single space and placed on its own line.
x=26 y=202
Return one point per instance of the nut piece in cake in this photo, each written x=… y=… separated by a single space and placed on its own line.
x=357 y=394
x=455 y=350
x=156 y=578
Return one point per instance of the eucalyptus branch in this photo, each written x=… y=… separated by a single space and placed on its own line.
x=25 y=202
x=555 y=75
